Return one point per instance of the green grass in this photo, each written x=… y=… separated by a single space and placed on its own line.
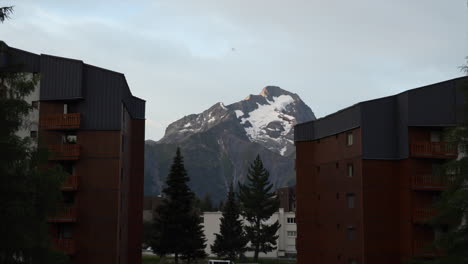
x=150 y=259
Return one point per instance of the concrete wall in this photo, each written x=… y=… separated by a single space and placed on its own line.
x=285 y=244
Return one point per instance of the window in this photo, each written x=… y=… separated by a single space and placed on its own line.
x=352 y=261
x=65 y=108
x=33 y=134
x=292 y=233
x=69 y=138
x=351 y=235
x=351 y=200
x=65 y=231
x=436 y=136
x=291 y=220
x=349 y=139
x=350 y=170
x=35 y=104
x=337 y=165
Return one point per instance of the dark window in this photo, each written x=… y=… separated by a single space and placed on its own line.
x=33 y=134
x=351 y=234
x=337 y=165
x=351 y=200
x=35 y=104
x=352 y=261
x=65 y=231
x=291 y=220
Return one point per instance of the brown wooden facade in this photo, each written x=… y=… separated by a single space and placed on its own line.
x=359 y=204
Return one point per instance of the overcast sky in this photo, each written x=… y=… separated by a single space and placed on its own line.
x=184 y=56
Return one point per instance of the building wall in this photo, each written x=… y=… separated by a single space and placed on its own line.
x=323 y=217
x=107 y=227
x=285 y=244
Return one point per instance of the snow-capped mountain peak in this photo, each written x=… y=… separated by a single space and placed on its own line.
x=267 y=119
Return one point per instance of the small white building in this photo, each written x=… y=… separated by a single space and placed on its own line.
x=286 y=243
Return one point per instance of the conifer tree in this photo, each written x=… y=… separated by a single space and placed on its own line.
x=207 y=204
x=177 y=226
x=259 y=203
x=232 y=240
x=452 y=218
x=5 y=13
x=29 y=192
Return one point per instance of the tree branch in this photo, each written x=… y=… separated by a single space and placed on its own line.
x=5 y=13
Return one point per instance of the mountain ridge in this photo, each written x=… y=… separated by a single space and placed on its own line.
x=219 y=143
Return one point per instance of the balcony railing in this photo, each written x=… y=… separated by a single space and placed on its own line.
x=64 y=152
x=424 y=248
x=60 y=121
x=70 y=183
x=421 y=215
x=433 y=150
x=67 y=214
x=431 y=182
x=66 y=245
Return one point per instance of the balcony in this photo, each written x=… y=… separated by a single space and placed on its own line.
x=66 y=245
x=433 y=150
x=64 y=152
x=431 y=182
x=71 y=183
x=60 y=121
x=424 y=248
x=67 y=214
x=422 y=215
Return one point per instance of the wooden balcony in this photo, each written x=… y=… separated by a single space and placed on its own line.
x=433 y=150
x=424 y=248
x=67 y=214
x=66 y=245
x=60 y=121
x=422 y=215
x=64 y=152
x=70 y=183
x=431 y=182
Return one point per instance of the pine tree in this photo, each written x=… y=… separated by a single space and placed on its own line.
x=259 y=203
x=452 y=219
x=207 y=204
x=177 y=226
x=29 y=191
x=232 y=240
x=5 y=13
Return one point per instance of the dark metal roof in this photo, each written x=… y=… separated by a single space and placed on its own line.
x=384 y=121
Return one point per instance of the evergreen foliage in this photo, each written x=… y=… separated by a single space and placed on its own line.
x=452 y=220
x=177 y=226
x=5 y=13
x=29 y=192
x=232 y=240
x=259 y=203
x=207 y=204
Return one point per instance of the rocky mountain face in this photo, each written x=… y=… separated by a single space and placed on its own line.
x=219 y=144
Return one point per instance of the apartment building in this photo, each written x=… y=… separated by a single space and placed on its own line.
x=367 y=176
x=286 y=243
x=93 y=127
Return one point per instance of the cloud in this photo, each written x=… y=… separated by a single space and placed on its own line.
x=178 y=54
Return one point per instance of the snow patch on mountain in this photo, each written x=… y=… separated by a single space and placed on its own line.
x=258 y=120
